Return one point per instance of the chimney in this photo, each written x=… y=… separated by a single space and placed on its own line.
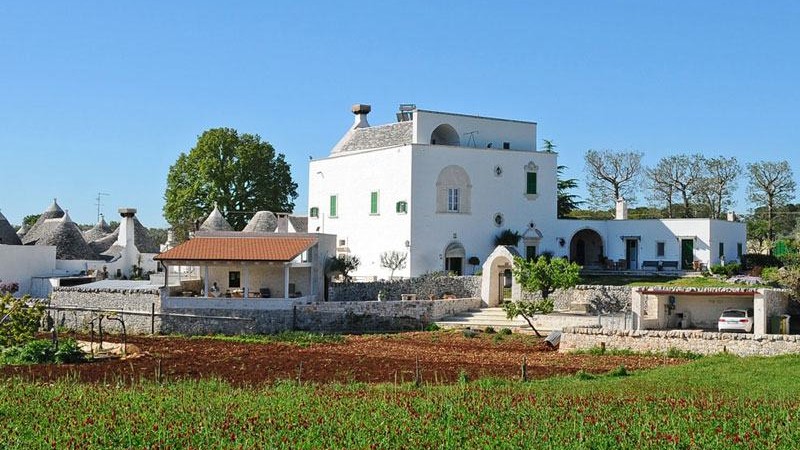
x=731 y=216
x=361 y=111
x=126 y=227
x=622 y=209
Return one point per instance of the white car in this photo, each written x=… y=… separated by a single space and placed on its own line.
x=736 y=320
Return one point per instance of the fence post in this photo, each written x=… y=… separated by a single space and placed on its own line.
x=152 y=318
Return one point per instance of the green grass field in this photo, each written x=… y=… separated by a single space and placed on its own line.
x=713 y=402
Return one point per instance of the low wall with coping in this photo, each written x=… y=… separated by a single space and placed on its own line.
x=659 y=341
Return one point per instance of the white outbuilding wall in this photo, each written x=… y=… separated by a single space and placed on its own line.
x=18 y=263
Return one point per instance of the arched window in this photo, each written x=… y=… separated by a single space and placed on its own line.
x=531 y=182
x=401 y=207
x=445 y=134
x=453 y=190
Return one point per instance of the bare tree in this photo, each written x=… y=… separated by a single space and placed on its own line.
x=662 y=192
x=612 y=175
x=680 y=176
x=394 y=260
x=718 y=184
x=771 y=185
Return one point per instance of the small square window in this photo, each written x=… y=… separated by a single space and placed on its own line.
x=506 y=145
x=314 y=212
x=660 y=248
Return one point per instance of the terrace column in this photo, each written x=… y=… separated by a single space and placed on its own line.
x=205 y=282
x=285 y=280
x=246 y=281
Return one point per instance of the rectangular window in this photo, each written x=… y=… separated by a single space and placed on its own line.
x=333 y=212
x=234 y=279
x=506 y=145
x=739 y=250
x=452 y=200
x=531 y=183
x=530 y=252
x=721 y=250
x=314 y=212
x=660 y=247
x=373 y=202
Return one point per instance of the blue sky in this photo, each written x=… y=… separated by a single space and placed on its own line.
x=103 y=96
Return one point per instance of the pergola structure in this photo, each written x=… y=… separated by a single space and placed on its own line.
x=250 y=264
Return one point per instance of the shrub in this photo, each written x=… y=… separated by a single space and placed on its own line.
x=469 y=333
x=505 y=331
x=728 y=270
x=620 y=371
x=33 y=352
x=673 y=352
x=463 y=376
x=21 y=319
x=433 y=327
x=489 y=330
x=790 y=259
x=752 y=260
x=584 y=375
x=69 y=352
x=9 y=288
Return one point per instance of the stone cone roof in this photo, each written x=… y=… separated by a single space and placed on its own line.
x=102 y=245
x=215 y=222
x=65 y=235
x=99 y=231
x=23 y=230
x=144 y=242
x=106 y=245
x=7 y=234
x=38 y=229
x=262 y=221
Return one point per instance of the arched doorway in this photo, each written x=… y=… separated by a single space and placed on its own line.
x=445 y=134
x=496 y=279
x=586 y=248
x=454 y=256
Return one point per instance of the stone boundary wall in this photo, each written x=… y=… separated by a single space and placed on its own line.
x=435 y=285
x=659 y=341
x=599 y=298
x=107 y=299
x=375 y=316
x=226 y=316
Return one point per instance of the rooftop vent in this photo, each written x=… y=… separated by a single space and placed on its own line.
x=406 y=112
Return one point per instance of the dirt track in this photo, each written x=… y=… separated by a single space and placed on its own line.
x=370 y=358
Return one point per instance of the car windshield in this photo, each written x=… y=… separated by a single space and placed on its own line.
x=734 y=313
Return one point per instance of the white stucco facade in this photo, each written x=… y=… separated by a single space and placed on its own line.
x=464 y=179
x=18 y=263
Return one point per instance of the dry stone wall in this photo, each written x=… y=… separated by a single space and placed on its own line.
x=602 y=299
x=136 y=306
x=424 y=287
x=660 y=341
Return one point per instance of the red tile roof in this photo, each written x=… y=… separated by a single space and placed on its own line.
x=239 y=248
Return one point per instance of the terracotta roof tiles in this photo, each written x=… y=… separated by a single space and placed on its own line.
x=239 y=248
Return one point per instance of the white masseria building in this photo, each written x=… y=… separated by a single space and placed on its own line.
x=441 y=186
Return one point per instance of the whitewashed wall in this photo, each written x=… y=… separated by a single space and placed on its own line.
x=18 y=263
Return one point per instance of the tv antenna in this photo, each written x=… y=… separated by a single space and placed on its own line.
x=471 y=138
x=99 y=203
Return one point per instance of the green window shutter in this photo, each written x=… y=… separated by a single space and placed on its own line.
x=531 y=185
x=333 y=206
x=373 y=203
x=314 y=212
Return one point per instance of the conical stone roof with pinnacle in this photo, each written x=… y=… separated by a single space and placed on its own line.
x=35 y=233
x=215 y=222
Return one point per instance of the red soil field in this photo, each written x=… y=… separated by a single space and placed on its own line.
x=442 y=356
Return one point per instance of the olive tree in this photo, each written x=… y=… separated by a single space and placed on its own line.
x=542 y=276
x=394 y=260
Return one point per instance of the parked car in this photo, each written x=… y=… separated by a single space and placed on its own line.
x=736 y=320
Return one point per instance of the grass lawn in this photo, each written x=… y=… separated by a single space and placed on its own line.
x=713 y=402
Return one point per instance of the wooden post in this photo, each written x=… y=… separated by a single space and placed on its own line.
x=524 y=368
x=152 y=318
